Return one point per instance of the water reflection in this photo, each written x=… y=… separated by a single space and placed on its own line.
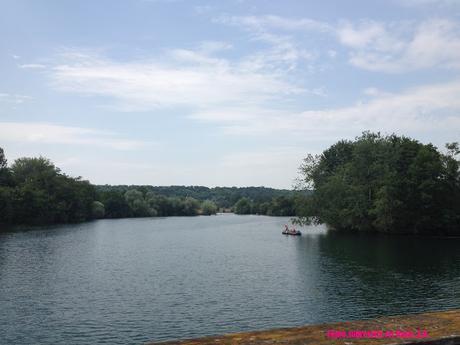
x=383 y=274
x=136 y=280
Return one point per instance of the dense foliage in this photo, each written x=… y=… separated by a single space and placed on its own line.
x=277 y=206
x=386 y=184
x=223 y=197
x=136 y=203
x=34 y=191
x=169 y=201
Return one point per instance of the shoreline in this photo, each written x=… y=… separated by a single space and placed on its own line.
x=442 y=327
x=5 y=228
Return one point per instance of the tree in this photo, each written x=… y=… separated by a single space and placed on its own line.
x=190 y=207
x=38 y=193
x=208 y=208
x=6 y=211
x=384 y=183
x=281 y=206
x=98 y=210
x=139 y=205
x=243 y=206
x=115 y=204
x=3 y=161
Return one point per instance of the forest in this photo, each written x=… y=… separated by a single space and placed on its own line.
x=375 y=183
x=390 y=184
x=34 y=191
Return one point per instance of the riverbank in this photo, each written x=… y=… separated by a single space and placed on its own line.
x=442 y=328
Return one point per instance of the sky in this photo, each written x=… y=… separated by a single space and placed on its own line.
x=220 y=93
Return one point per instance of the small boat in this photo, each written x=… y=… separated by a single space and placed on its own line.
x=292 y=232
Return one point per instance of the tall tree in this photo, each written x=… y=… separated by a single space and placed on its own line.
x=384 y=183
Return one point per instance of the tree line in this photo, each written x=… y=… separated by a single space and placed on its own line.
x=223 y=197
x=389 y=183
x=281 y=206
x=374 y=183
x=34 y=191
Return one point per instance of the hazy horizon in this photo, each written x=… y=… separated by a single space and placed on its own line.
x=230 y=93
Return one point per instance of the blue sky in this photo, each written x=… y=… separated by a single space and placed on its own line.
x=222 y=93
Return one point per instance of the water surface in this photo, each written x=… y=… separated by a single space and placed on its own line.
x=131 y=281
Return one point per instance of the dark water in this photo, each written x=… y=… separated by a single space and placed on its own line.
x=138 y=280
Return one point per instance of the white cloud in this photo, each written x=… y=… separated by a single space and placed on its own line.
x=32 y=66
x=428 y=109
x=442 y=3
x=285 y=52
x=190 y=78
x=387 y=48
x=42 y=133
x=377 y=46
x=275 y=22
x=210 y=47
x=13 y=98
x=367 y=33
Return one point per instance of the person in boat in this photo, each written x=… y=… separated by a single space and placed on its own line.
x=286 y=228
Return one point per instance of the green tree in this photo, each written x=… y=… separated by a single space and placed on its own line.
x=139 y=205
x=115 y=204
x=98 y=210
x=41 y=194
x=208 y=208
x=383 y=183
x=6 y=211
x=190 y=206
x=243 y=206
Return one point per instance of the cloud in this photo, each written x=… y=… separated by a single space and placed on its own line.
x=285 y=51
x=427 y=109
x=42 y=133
x=13 y=98
x=394 y=47
x=366 y=33
x=442 y=3
x=391 y=48
x=266 y=22
x=210 y=47
x=182 y=78
x=32 y=66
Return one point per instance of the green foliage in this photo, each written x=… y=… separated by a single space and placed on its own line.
x=178 y=200
x=35 y=191
x=384 y=183
x=208 y=208
x=223 y=197
x=115 y=204
x=38 y=193
x=3 y=160
x=243 y=206
x=5 y=174
x=190 y=206
x=98 y=210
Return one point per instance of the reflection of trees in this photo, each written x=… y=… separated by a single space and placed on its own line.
x=366 y=275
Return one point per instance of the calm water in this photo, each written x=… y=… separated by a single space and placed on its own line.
x=137 y=280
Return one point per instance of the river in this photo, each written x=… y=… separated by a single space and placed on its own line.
x=130 y=281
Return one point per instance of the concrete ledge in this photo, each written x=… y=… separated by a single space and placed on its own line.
x=443 y=328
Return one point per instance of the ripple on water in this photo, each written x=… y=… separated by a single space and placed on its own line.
x=131 y=281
